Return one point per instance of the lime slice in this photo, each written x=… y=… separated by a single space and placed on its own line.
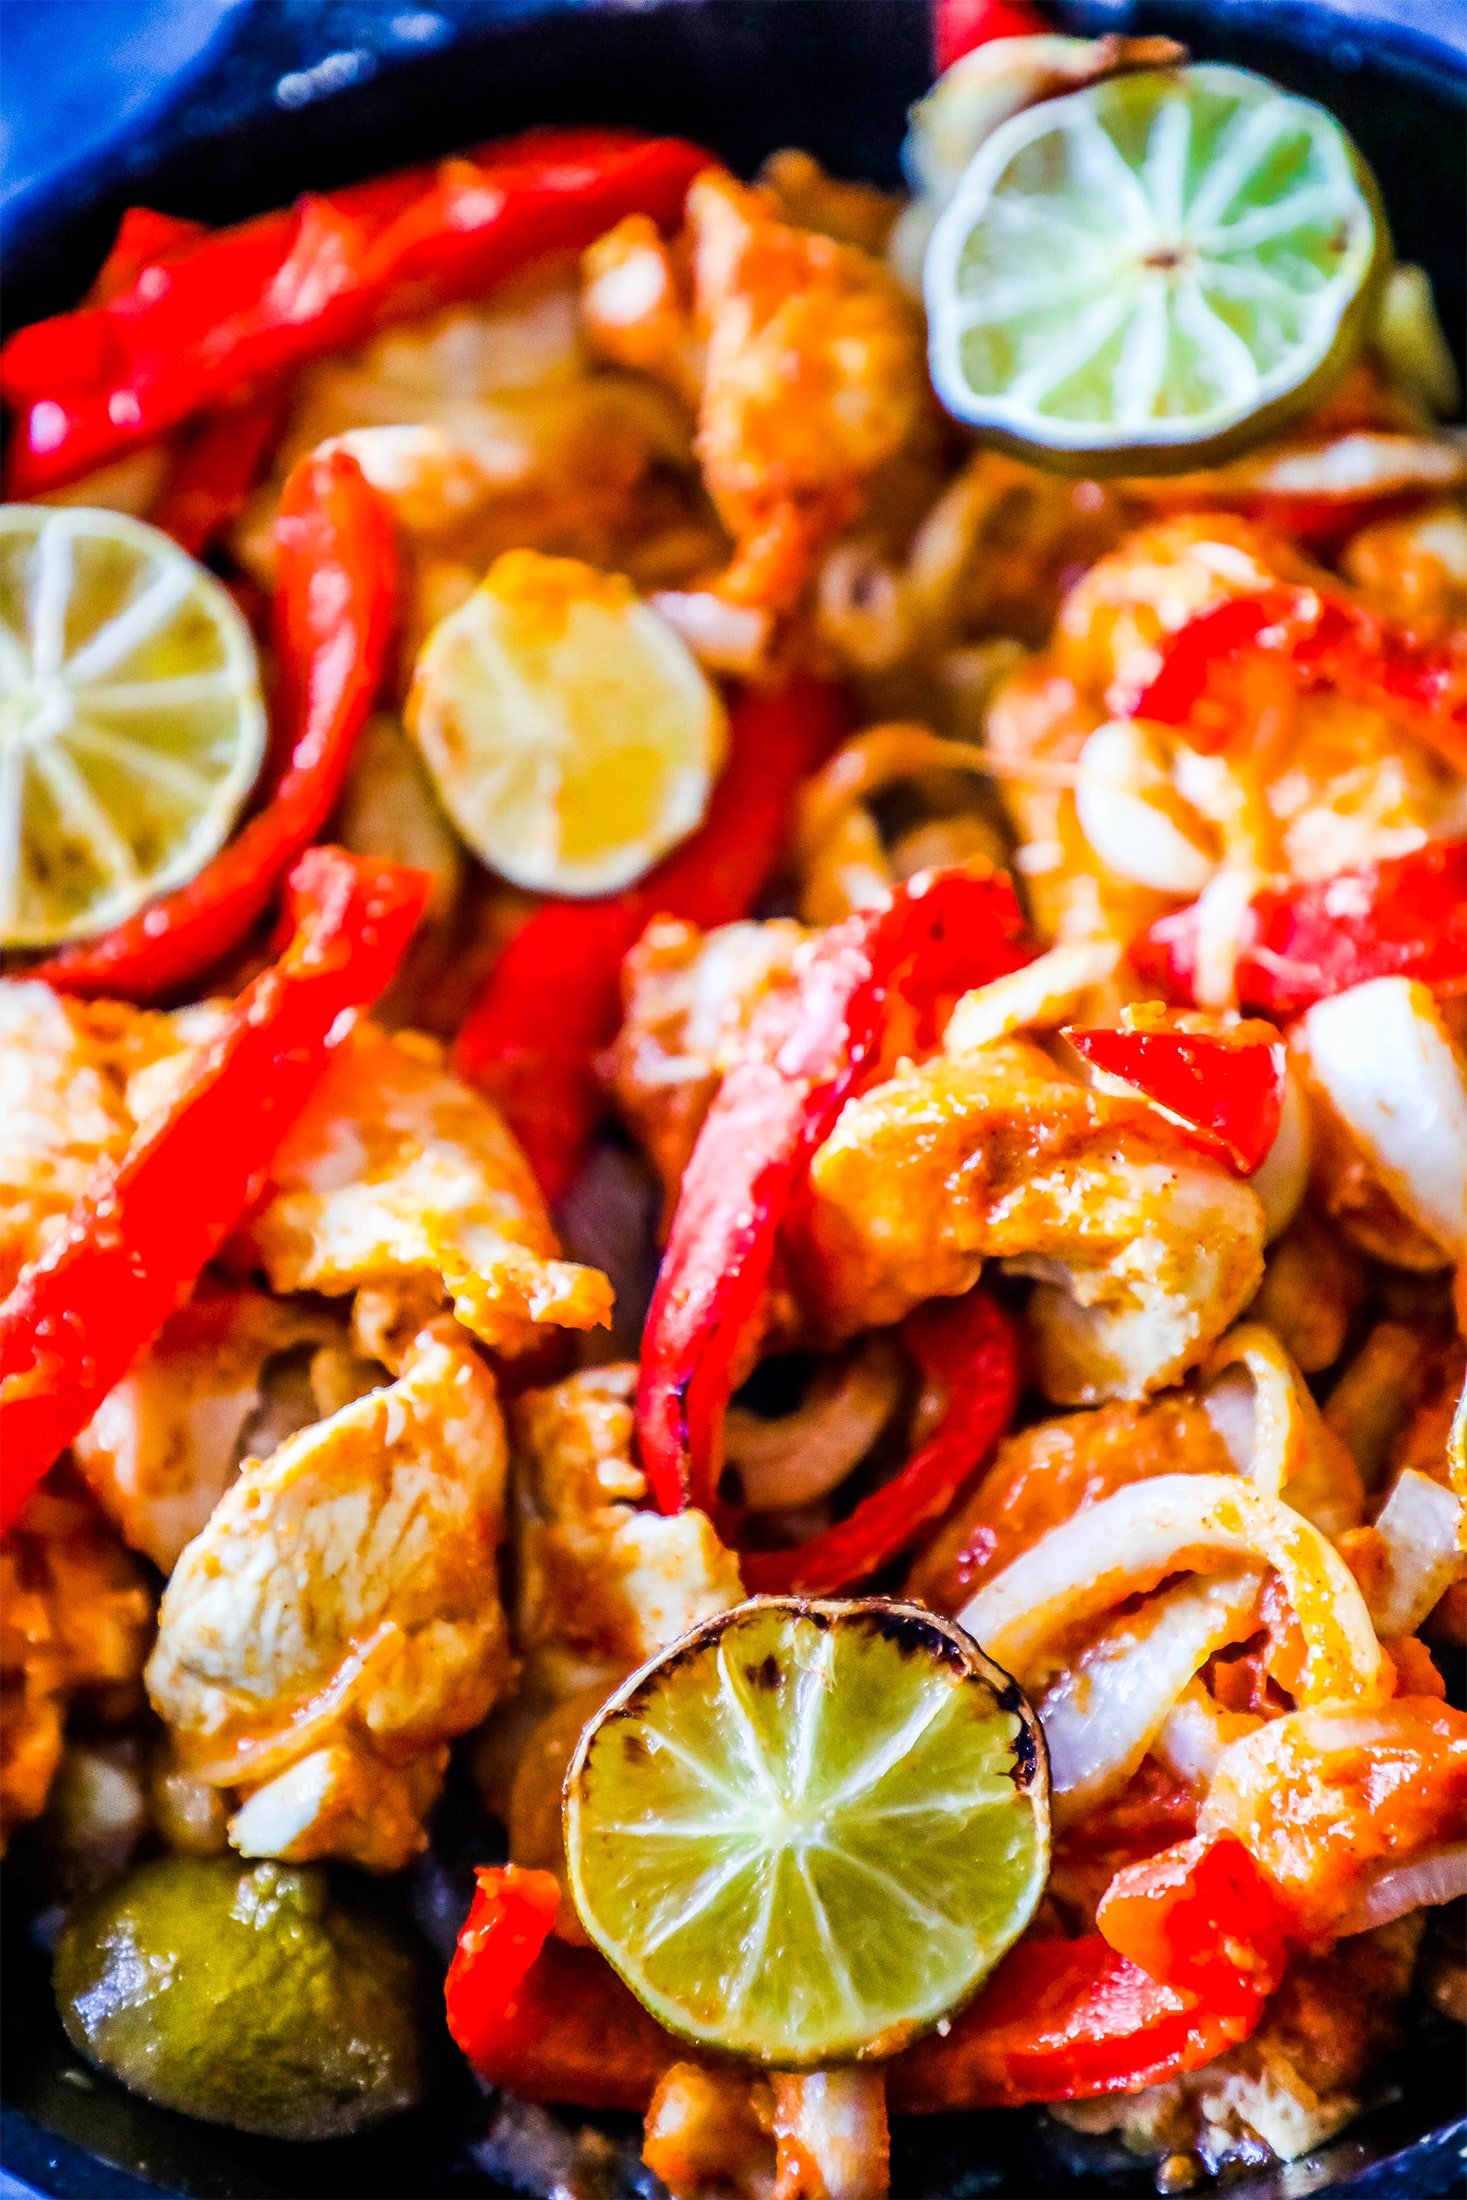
x=572 y=735
x=809 y=1830
x=131 y=719
x=1152 y=270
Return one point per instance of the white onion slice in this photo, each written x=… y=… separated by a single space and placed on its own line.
x=1282 y=1177
x=1431 y=1877
x=1041 y=996
x=1196 y=1733
x=724 y=637
x=1384 y=1059
x=1132 y=815
x=1176 y=1523
x=1262 y=1409
x=1103 y=1713
x=804 y=1455
x=1421 y=1527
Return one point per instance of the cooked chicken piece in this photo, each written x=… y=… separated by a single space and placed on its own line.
x=710 y=2130
x=688 y=997
x=1414 y=568
x=805 y=194
x=830 y=2135
x=338 y=1621
x=488 y=427
x=399 y=1179
x=65 y=1103
x=1296 y=2082
x=1144 y=1249
x=74 y=1622
x=1312 y=1289
x=164 y=1444
x=1329 y=1799
x=1045 y=1473
x=602 y=1583
x=820 y=2135
x=812 y=375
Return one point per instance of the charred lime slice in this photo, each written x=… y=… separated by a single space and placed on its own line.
x=1152 y=270
x=809 y=1830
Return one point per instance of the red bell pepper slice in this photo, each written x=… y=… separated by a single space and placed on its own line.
x=550 y=2021
x=553 y=999
x=1227 y=1087
x=960 y=25
x=203 y=321
x=214 y=469
x=1065 y=2020
x=1323 y=641
x=137 y=1239
x=1404 y=917
x=809 y=1048
x=334 y=606
x=1200 y=1917
x=971 y=1348
x=144 y=238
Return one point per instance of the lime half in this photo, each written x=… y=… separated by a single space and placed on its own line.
x=131 y=719
x=809 y=1830
x=1152 y=270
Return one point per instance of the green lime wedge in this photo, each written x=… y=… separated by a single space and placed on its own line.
x=809 y=1830
x=132 y=723
x=1153 y=270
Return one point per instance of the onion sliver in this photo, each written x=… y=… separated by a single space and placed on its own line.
x=1421 y=1527
x=1132 y=816
x=804 y=1455
x=1260 y=1406
x=1041 y=996
x=1384 y=1059
x=1196 y=1733
x=1282 y=1177
x=1177 y=1523
x=1432 y=1877
x=1103 y=1714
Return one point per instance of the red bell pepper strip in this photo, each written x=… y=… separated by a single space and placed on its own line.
x=1200 y=1917
x=334 y=606
x=214 y=469
x=144 y=238
x=1065 y=2020
x=1227 y=1087
x=1404 y=917
x=971 y=1348
x=960 y=25
x=552 y=2022
x=809 y=1048
x=203 y=322
x=553 y=999
x=1323 y=641
x=136 y=1240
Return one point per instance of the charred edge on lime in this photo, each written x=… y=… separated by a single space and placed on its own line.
x=915 y=1635
x=768 y=1673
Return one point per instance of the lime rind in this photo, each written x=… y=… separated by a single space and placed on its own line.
x=1152 y=269
x=132 y=724
x=810 y=1830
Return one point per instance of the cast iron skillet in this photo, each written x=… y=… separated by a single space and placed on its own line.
x=312 y=93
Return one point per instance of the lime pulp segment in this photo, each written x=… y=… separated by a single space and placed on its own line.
x=1160 y=262
x=132 y=724
x=809 y=1830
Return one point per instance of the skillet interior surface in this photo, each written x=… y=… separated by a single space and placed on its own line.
x=311 y=93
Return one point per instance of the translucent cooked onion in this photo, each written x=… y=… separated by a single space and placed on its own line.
x=1043 y=995
x=1178 y=1523
x=1282 y=1177
x=1132 y=815
x=1421 y=1528
x=1385 y=1060
x=724 y=637
x=1432 y=1877
x=1260 y=1406
x=1103 y=1713
x=1196 y=1733
x=804 y=1455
